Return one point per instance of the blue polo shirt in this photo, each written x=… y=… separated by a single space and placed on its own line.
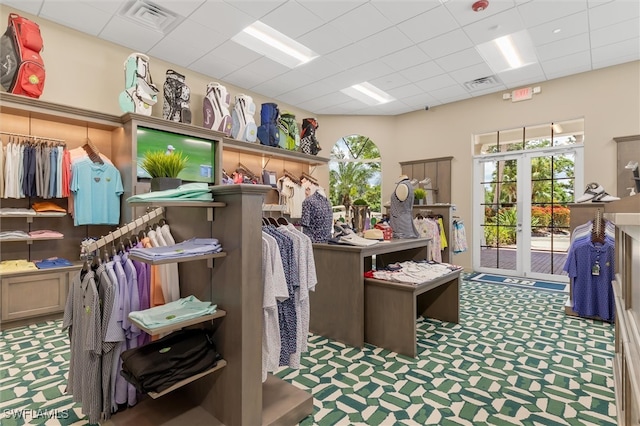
x=97 y=189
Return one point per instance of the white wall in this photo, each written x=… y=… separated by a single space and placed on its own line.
x=85 y=72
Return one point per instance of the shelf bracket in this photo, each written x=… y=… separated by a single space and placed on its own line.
x=210 y=215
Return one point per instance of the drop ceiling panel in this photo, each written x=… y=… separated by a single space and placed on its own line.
x=29 y=6
x=351 y=56
x=292 y=19
x=178 y=46
x=446 y=94
x=621 y=31
x=471 y=73
x=427 y=25
x=494 y=26
x=257 y=9
x=569 y=26
x=437 y=82
x=235 y=54
x=370 y=70
x=613 y=12
x=405 y=91
x=362 y=22
x=319 y=68
x=79 y=15
x=285 y=82
x=530 y=73
x=493 y=89
x=422 y=71
x=446 y=44
x=212 y=66
x=181 y=7
x=385 y=42
x=390 y=81
x=246 y=76
x=563 y=47
x=329 y=100
x=129 y=34
x=326 y=39
x=400 y=10
x=464 y=14
x=330 y=10
x=617 y=53
x=405 y=58
x=463 y=59
x=421 y=100
x=222 y=17
x=570 y=64
x=537 y=12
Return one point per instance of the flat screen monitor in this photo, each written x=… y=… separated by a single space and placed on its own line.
x=200 y=152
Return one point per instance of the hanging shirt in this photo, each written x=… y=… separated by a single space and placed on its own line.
x=317 y=218
x=97 y=189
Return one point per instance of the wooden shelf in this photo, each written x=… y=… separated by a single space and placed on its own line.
x=283 y=403
x=265 y=151
x=22 y=215
x=29 y=240
x=179 y=325
x=76 y=266
x=221 y=364
x=200 y=204
x=178 y=259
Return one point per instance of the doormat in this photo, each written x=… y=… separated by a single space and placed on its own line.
x=519 y=282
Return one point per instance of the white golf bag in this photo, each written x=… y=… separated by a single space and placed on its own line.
x=244 y=125
x=139 y=94
x=215 y=108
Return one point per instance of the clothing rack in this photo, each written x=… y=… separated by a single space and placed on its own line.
x=35 y=138
x=598 y=228
x=123 y=230
x=246 y=172
x=291 y=176
x=309 y=178
x=92 y=151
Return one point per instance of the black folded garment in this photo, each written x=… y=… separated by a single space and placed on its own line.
x=160 y=364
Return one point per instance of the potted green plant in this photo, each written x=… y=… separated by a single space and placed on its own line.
x=418 y=195
x=164 y=168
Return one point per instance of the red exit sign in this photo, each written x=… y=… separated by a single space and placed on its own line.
x=522 y=94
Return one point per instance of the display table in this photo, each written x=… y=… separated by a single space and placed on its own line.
x=338 y=305
x=391 y=309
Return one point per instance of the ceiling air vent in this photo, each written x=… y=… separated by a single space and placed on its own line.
x=150 y=15
x=482 y=83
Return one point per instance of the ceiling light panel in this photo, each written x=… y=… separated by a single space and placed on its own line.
x=368 y=93
x=508 y=52
x=271 y=43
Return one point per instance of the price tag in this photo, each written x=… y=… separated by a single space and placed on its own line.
x=595 y=269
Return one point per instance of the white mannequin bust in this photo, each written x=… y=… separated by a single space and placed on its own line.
x=402 y=190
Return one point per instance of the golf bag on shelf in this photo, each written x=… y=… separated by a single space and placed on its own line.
x=308 y=142
x=176 y=98
x=139 y=94
x=215 y=108
x=244 y=125
x=268 y=132
x=289 y=131
x=21 y=66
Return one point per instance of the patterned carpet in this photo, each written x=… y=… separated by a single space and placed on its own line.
x=515 y=359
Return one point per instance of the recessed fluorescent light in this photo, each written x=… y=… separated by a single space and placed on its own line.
x=508 y=52
x=271 y=43
x=368 y=93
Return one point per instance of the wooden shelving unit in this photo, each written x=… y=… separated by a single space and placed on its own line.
x=178 y=259
x=221 y=364
x=219 y=313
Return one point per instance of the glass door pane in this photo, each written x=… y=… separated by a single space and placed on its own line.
x=499 y=227
x=552 y=188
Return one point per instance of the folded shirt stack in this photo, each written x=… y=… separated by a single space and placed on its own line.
x=180 y=310
x=8 y=211
x=16 y=265
x=9 y=235
x=191 y=247
x=53 y=262
x=197 y=191
x=414 y=272
x=45 y=233
x=159 y=365
x=44 y=207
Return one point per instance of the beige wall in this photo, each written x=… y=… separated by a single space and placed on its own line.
x=608 y=99
x=85 y=72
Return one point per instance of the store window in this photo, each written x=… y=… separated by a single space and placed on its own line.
x=355 y=175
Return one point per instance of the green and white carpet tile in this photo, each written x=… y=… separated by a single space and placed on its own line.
x=514 y=359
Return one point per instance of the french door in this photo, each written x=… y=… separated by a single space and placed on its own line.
x=521 y=211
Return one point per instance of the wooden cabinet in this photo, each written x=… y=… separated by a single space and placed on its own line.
x=436 y=169
x=626 y=287
x=33 y=294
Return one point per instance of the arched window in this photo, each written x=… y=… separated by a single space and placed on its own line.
x=355 y=172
